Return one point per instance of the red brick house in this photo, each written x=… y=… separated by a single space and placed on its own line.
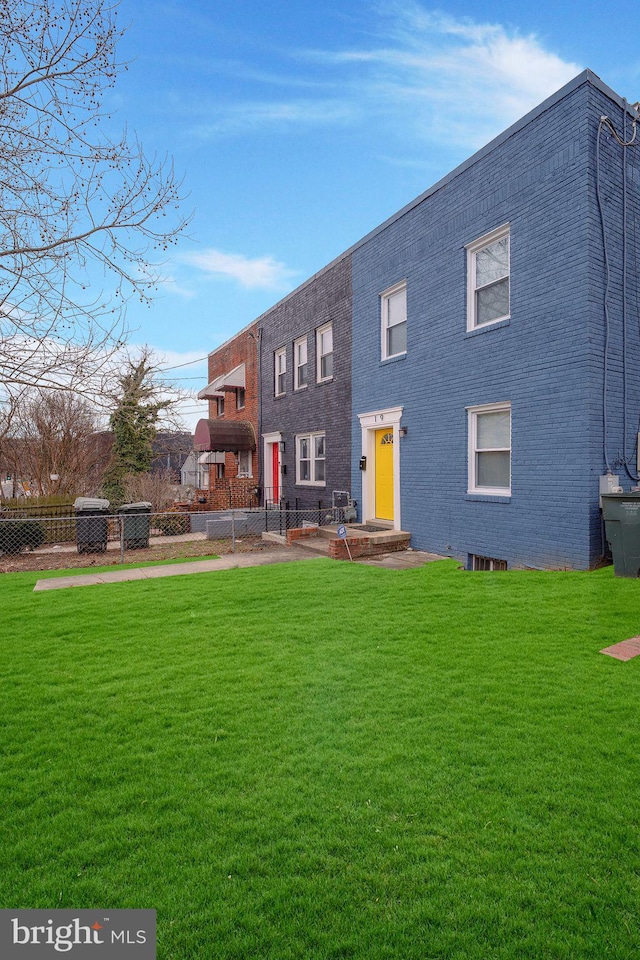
x=226 y=442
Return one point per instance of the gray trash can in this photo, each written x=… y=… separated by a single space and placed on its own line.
x=621 y=512
x=91 y=524
x=137 y=521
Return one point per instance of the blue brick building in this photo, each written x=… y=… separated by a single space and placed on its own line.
x=496 y=346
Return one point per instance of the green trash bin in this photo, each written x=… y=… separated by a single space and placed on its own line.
x=92 y=525
x=136 y=518
x=621 y=512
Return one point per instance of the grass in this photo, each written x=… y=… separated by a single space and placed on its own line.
x=327 y=761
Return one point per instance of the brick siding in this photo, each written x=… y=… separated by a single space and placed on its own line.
x=547 y=360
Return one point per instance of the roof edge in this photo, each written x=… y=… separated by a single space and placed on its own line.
x=586 y=76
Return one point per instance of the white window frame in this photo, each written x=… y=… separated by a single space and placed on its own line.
x=220 y=406
x=473 y=249
x=245 y=469
x=321 y=338
x=241 y=398
x=300 y=350
x=385 y=299
x=313 y=459
x=280 y=371
x=473 y=414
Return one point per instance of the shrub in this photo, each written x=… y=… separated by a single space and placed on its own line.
x=15 y=535
x=172 y=524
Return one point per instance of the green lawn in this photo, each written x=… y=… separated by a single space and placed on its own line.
x=327 y=760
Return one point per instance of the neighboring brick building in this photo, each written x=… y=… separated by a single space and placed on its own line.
x=306 y=391
x=483 y=414
x=226 y=443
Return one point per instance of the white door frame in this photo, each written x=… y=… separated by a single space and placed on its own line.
x=370 y=422
x=268 y=441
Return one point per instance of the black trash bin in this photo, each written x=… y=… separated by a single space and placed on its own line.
x=136 y=518
x=91 y=524
x=621 y=512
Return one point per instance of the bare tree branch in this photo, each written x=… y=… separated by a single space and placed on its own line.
x=53 y=444
x=82 y=216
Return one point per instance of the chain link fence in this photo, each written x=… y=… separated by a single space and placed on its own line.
x=96 y=532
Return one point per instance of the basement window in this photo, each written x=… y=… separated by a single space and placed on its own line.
x=479 y=562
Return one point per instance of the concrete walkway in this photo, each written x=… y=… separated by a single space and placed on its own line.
x=228 y=562
x=403 y=560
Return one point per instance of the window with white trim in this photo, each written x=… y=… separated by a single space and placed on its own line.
x=280 y=371
x=324 y=352
x=241 y=395
x=488 y=272
x=490 y=449
x=220 y=406
x=300 y=363
x=394 y=321
x=244 y=463
x=310 y=459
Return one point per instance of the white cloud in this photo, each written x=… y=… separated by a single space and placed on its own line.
x=247 y=116
x=446 y=79
x=169 y=284
x=265 y=273
x=419 y=74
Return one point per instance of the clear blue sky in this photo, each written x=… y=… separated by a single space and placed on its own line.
x=299 y=126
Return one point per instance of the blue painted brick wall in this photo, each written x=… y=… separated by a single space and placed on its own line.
x=548 y=360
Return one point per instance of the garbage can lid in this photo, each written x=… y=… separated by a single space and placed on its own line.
x=139 y=507
x=90 y=503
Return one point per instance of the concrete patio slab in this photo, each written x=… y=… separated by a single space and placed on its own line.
x=402 y=560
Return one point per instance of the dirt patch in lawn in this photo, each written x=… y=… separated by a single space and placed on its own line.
x=24 y=562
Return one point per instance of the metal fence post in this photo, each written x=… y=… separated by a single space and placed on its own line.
x=233 y=531
x=121 y=538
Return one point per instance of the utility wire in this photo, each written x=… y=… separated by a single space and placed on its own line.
x=177 y=366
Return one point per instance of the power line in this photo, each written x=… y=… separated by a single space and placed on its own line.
x=177 y=366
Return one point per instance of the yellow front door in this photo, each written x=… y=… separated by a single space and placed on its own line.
x=384 y=474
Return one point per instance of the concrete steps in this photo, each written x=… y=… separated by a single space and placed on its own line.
x=364 y=540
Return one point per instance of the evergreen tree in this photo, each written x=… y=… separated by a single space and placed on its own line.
x=140 y=403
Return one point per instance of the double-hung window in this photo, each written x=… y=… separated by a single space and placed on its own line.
x=240 y=398
x=394 y=321
x=300 y=362
x=488 y=271
x=324 y=352
x=280 y=370
x=310 y=459
x=244 y=463
x=490 y=449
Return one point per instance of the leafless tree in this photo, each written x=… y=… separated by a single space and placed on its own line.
x=158 y=489
x=54 y=444
x=83 y=215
